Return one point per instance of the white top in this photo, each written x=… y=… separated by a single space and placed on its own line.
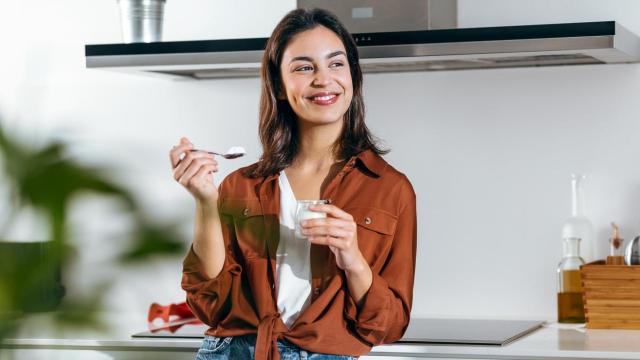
x=293 y=262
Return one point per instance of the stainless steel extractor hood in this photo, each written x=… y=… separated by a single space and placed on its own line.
x=444 y=49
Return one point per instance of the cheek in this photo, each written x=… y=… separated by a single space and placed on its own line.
x=348 y=90
x=293 y=91
x=347 y=84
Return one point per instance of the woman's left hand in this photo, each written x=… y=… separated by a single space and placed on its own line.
x=339 y=232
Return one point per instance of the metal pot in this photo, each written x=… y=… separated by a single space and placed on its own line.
x=141 y=20
x=632 y=252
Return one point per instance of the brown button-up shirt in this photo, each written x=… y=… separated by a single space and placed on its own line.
x=242 y=298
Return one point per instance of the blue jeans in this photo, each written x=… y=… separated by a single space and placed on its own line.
x=243 y=347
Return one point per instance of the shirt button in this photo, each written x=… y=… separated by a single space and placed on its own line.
x=316 y=291
x=245 y=212
x=367 y=220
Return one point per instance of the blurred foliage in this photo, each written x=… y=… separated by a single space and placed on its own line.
x=46 y=179
x=153 y=239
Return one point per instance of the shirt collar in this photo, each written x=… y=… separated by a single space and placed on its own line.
x=367 y=158
x=370 y=161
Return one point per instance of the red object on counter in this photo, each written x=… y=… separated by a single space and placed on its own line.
x=173 y=316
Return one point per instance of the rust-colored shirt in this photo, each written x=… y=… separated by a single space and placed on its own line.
x=242 y=298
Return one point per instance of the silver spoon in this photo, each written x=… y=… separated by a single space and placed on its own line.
x=233 y=152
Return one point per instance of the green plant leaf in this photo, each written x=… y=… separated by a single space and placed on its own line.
x=152 y=239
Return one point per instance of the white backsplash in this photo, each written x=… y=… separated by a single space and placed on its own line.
x=489 y=152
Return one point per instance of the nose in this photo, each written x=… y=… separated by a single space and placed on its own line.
x=322 y=77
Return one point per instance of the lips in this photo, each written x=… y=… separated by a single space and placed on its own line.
x=324 y=98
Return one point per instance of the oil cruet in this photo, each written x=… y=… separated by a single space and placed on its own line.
x=570 y=305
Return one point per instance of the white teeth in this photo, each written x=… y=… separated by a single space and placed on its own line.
x=324 y=98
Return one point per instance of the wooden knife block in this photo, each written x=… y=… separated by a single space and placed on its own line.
x=611 y=295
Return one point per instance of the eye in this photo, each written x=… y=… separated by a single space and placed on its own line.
x=304 y=68
x=337 y=64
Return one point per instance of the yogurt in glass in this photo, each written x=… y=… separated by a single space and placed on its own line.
x=303 y=213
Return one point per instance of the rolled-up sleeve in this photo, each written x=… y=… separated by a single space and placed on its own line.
x=383 y=315
x=209 y=298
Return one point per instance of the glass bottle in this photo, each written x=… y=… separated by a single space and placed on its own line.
x=570 y=306
x=578 y=225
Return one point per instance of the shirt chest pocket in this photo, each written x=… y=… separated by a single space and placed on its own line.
x=376 y=228
x=248 y=223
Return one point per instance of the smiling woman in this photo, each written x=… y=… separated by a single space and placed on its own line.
x=343 y=281
x=315 y=74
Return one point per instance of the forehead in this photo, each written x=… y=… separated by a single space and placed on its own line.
x=315 y=43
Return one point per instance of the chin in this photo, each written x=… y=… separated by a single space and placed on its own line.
x=323 y=117
x=323 y=120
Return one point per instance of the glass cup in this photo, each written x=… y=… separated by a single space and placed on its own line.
x=303 y=213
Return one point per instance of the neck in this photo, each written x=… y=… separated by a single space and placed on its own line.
x=577 y=197
x=316 y=145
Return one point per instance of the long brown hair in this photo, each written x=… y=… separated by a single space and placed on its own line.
x=278 y=123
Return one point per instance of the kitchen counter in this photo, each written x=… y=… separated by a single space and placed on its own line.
x=549 y=342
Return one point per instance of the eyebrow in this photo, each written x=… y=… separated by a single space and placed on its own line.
x=306 y=58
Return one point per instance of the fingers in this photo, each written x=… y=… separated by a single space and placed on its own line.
x=190 y=160
x=338 y=233
x=182 y=148
x=327 y=231
x=338 y=243
x=200 y=177
x=332 y=210
x=207 y=169
x=192 y=164
x=329 y=222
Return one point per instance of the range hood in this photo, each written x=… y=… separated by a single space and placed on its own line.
x=603 y=42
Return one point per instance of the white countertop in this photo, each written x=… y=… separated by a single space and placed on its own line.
x=550 y=342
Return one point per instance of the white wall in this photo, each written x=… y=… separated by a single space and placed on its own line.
x=490 y=152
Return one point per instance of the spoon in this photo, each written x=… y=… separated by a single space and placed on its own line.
x=233 y=152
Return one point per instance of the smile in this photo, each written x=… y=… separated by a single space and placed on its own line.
x=325 y=99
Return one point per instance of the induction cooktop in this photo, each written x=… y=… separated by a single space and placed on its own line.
x=467 y=331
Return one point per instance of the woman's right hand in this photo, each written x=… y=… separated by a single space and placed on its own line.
x=195 y=171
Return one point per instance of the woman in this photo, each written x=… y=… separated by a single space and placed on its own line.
x=347 y=284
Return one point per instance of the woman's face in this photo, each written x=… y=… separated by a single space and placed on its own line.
x=316 y=77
